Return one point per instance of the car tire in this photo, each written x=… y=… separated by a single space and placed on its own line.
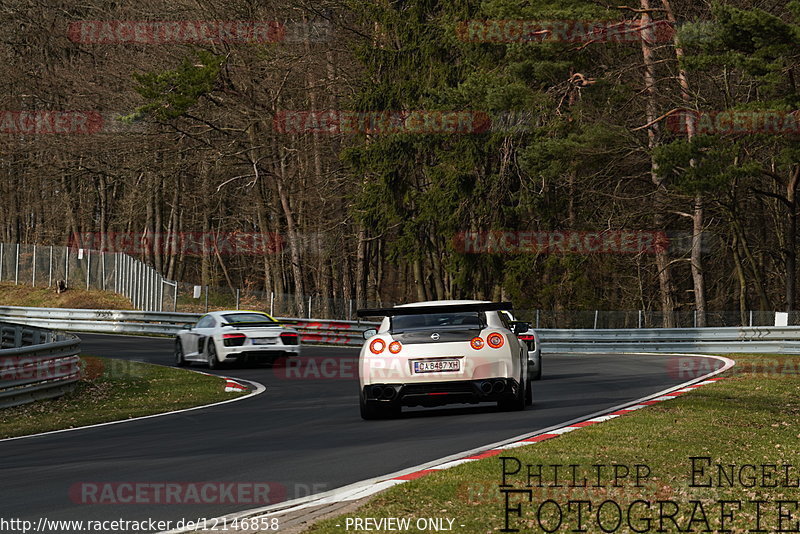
x=538 y=375
x=180 y=361
x=528 y=392
x=519 y=401
x=211 y=350
x=371 y=412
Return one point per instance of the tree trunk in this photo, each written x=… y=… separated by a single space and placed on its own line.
x=697 y=265
x=361 y=259
x=737 y=262
x=698 y=278
x=791 y=237
x=665 y=282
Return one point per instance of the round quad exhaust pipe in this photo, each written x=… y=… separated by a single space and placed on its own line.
x=389 y=393
x=485 y=387
x=377 y=391
x=499 y=386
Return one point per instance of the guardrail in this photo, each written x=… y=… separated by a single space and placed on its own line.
x=322 y=331
x=36 y=363
x=767 y=339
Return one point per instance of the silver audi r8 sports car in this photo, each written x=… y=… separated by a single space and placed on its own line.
x=443 y=352
x=234 y=336
x=530 y=338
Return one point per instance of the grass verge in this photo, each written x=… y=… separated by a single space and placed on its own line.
x=38 y=297
x=112 y=390
x=750 y=419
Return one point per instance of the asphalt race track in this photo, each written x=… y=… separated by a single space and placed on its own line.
x=302 y=435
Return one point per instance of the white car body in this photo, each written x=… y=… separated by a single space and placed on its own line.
x=235 y=335
x=428 y=358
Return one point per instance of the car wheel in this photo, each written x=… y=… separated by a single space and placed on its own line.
x=538 y=375
x=180 y=361
x=518 y=402
x=371 y=411
x=213 y=361
x=528 y=392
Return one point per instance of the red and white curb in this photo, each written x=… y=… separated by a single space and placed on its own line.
x=230 y=383
x=233 y=385
x=365 y=488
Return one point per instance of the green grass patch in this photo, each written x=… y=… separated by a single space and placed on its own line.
x=750 y=419
x=113 y=390
x=42 y=297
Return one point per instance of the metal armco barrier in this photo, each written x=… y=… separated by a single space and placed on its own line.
x=321 y=331
x=36 y=363
x=763 y=339
x=766 y=339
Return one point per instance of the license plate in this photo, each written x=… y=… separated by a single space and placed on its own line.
x=433 y=366
x=264 y=341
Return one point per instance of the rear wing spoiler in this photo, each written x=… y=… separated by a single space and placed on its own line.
x=438 y=308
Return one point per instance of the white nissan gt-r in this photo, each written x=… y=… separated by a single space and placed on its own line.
x=443 y=352
x=234 y=336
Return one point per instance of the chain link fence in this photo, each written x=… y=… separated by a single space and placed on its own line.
x=199 y=299
x=69 y=267
x=650 y=319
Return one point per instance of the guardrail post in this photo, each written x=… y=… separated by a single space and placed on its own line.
x=18 y=336
x=88 y=266
x=206 y=287
x=134 y=286
x=309 y=307
x=237 y=298
x=66 y=266
x=33 y=267
x=50 y=272
x=103 y=270
x=640 y=318
x=16 y=269
x=751 y=318
x=695 y=318
x=2 y=261
x=595 y=319
x=537 y=317
x=271 y=303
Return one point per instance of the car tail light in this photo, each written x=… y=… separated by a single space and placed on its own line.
x=476 y=343
x=525 y=337
x=377 y=346
x=233 y=340
x=395 y=347
x=290 y=338
x=495 y=340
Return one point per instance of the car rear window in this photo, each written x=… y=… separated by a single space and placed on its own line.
x=438 y=320
x=248 y=318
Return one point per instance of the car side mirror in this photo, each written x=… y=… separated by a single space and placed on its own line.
x=188 y=326
x=520 y=327
x=369 y=333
